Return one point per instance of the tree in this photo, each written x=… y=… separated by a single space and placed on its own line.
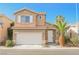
x=62 y=27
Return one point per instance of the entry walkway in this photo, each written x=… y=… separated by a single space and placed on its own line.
x=29 y=47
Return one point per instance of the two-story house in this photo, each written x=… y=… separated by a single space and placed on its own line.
x=31 y=29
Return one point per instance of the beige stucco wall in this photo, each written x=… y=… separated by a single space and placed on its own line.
x=35 y=19
x=3 y=30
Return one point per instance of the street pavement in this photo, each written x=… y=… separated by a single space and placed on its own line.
x=39 y=51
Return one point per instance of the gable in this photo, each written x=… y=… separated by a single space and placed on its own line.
x=24 y=12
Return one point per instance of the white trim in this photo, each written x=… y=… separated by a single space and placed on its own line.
x=19 y=19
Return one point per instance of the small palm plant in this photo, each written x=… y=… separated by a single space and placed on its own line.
x=62 y=27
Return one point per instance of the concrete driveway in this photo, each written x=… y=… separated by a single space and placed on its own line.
x=39 y=50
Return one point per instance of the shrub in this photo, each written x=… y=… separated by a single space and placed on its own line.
x=67 y=38
x=10 y=33
x=9 y=43
x=74 y=40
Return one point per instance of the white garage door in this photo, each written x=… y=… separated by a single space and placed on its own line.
x=29 y=38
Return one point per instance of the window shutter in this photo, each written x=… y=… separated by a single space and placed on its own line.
x=31 y=19
x=19 y=19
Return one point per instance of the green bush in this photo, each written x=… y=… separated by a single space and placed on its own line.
x=9 y=43
x=10 y=33
x=74 y=40
x=67 y=39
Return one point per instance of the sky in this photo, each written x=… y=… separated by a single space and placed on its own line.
x=67 y=10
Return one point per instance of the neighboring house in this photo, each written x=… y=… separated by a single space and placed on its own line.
x=73 y=30
x=31 y=28
x=4 y=25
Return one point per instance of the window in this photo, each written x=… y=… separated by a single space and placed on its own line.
x=39 y=20
x=26 y=19
x=1 y=23
x=39 y=17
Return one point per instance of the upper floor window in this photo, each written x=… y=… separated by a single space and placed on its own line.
x=26 y=19
x=39 y=20
x=39 y=17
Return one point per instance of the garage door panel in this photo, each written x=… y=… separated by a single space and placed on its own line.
x=29 y=38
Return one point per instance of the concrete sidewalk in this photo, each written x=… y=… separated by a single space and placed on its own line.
x=38 y=50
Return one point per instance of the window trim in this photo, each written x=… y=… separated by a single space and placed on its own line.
x=30 y=19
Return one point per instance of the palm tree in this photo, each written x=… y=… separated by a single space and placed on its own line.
x=62 y=27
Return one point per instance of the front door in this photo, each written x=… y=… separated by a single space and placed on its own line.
x=50 y=36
